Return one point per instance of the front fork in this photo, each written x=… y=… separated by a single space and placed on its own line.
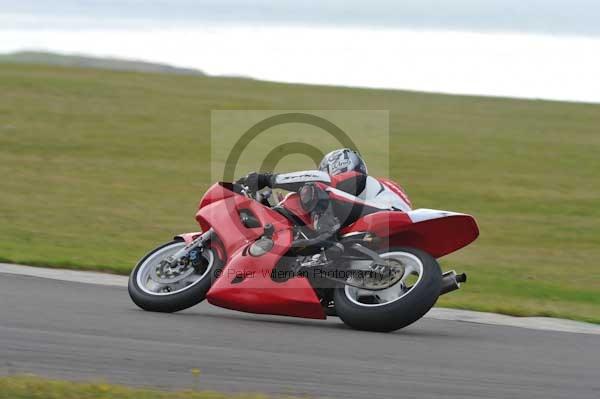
x=200 y=241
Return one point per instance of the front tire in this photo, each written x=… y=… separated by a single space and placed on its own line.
x=395 y=307
x=155 y=297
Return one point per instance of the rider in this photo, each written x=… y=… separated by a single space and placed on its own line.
x=350 y=190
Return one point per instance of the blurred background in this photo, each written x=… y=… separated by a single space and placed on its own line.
x=535 y=49
x=494 y=111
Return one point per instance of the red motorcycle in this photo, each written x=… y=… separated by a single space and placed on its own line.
x=379 y=274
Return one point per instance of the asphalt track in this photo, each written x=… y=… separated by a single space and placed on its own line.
x=75 y=330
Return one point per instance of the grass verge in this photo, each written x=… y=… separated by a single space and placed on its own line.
x=32 y=387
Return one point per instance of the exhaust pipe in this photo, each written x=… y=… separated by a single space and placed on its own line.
x=451 y=281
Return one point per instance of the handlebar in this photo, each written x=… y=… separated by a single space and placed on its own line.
x=260 y=196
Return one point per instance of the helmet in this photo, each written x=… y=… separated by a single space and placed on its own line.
x=344 y=160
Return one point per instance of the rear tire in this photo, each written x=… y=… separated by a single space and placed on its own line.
x=178 y=300
x=407 y=308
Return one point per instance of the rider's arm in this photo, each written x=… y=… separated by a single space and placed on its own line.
x=293 y=181
x=287 y=181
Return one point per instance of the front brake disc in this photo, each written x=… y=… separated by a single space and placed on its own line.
x=162 y=276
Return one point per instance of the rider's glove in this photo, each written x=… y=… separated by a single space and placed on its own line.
x=256 y=181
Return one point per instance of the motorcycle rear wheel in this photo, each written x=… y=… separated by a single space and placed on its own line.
x=401 y=304
x=155 y=297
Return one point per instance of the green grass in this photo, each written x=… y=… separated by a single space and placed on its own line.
x=99 y=166
x=31 y=387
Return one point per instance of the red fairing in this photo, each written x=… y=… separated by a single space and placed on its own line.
x=223 y=217
x=216 y=192
x=439 y=235
x=246 y=285
x=256 y=292
x=291 y=202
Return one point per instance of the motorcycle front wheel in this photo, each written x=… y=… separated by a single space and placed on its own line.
x=185 y=290
x=398 y=306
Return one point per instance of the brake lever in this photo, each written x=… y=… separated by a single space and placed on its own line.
x=246 y=191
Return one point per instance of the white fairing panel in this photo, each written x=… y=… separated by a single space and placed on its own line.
x=350 y=197
x=420 y=215
x=305 y=176
x=379 y=193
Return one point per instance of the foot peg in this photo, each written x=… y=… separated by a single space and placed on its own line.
x=451 y=281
